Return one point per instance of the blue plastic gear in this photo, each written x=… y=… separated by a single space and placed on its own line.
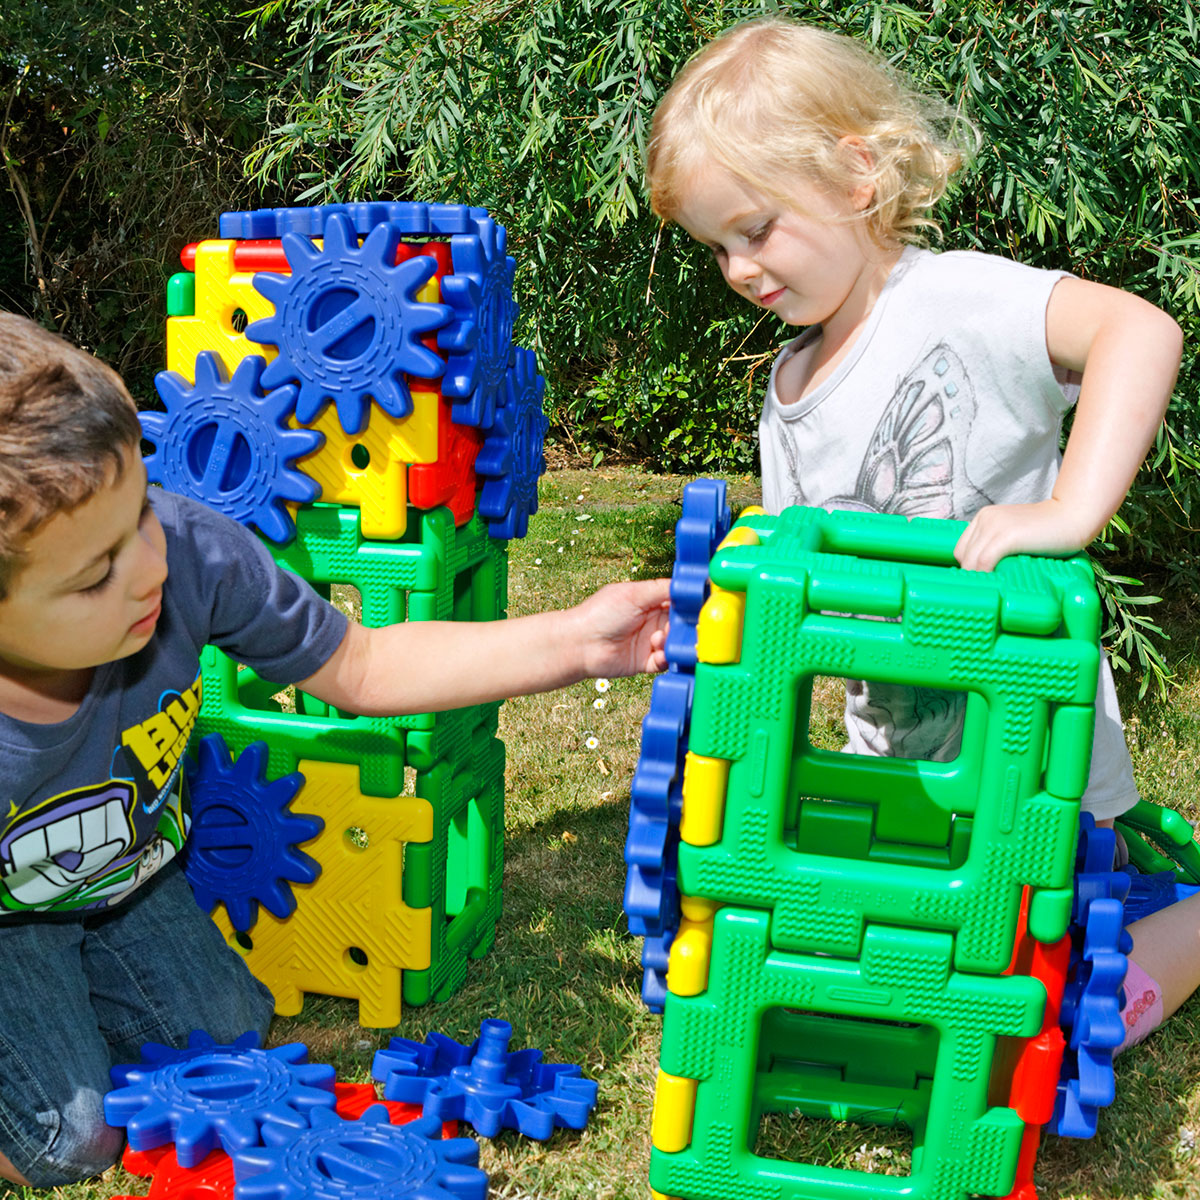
x=511 y=459
x=656 y=802
x=484 y=1084
x=479 y=347
x=348 y=323
x=698 y=532
x=210 y=1095
x=414 y=219
x=366 y=1159
x=656 y=957
x=1094 y=995
x=226 y=442
x=241 y=850
x=1150 y=893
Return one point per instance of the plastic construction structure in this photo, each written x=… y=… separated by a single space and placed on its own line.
x=857 y=936
x=344 y=379
x=486 y=1084
x=210 y=1095
x=242 y=847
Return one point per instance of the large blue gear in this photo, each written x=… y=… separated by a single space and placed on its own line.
x=210 y=1095
x=698 y=533
x=226 y=442
x=348 y=323
x=241 y=850
x=414 y=218
x=1093 y=997
x=366 y=1159
x=484 y=1084
x=479 y=347
x=512 y=458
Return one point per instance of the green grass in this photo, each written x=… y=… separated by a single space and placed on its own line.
x=565 y=972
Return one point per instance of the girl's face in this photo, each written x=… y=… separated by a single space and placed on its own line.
x=809 y=261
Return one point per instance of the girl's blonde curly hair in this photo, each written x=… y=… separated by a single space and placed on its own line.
x=773 y=101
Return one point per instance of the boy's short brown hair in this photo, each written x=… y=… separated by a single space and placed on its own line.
x=67 y=423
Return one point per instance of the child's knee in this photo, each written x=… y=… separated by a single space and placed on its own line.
x=78 y=1143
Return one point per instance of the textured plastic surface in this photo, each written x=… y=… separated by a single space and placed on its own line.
x=435 y=572
x=511 y=460
x=347 y=323
x=961 y=1144
x=351 y=933
x=942 y=845
x=210 y=1094
x=486 y=1084
x=226 y=442
x=698 y=533
x=1094 y=995
x=367 y=1159
x=480 y=291
x=241 y=851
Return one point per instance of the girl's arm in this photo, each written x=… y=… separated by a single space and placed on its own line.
x=1128 y=353
x=431 y=666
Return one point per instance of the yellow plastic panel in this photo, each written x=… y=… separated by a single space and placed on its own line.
x=674 y=1111
x=221 y=291
x=351 y=935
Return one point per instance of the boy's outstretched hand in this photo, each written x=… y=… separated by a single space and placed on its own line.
x=623 y=627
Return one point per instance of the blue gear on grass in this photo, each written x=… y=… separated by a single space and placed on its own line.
x=415 y=219
x=484 y=1084
x=210 y=1094
x=480 y=290
x=511 y=459
x=365 y=1159
x=698 y=532
x=226 y=443
x=242 y=848
x=348 y=323
x=1094 y=994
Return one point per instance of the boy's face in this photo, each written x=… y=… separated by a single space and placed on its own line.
x=89 y=590
x=806 y=261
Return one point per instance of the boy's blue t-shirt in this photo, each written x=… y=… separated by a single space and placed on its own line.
x=91 y=805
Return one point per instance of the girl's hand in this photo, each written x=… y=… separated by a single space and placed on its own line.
x=1003 y=529
x=623 y=627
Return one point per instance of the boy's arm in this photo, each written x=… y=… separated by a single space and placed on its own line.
x=431 y=666
x=1128 y=353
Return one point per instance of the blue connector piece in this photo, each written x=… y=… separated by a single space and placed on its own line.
x=226 y=443
x=210 y=1095
x=1150 y=893
x=484 y=1084
x=511 y=459
x=412 y=217
x=367 y=1159
x=348 y=323
x=698 y=533
x=1094 y=995
x=241 y=851
x=656 y=956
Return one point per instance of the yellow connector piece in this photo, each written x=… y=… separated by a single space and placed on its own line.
x=705 y=782
x=691 y=954
x=752 y=510
x=674 y=1112
x=698 y=909
x=741 y=535
x=719 y=630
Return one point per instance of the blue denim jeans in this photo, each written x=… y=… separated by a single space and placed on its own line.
x=79 y=997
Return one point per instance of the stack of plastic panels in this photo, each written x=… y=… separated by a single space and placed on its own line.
x=875 y=940
x=344 y=380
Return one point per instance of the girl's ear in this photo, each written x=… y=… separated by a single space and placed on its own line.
x=861 y=163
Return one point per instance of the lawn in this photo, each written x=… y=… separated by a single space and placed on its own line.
x=565 y=971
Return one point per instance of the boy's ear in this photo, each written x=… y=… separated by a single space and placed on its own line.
x=861 y=162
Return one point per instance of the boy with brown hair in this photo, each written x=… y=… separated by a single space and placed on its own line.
x=108 y=592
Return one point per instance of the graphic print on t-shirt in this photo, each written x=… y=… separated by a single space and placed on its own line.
x=91 y=846
x=915 y=463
